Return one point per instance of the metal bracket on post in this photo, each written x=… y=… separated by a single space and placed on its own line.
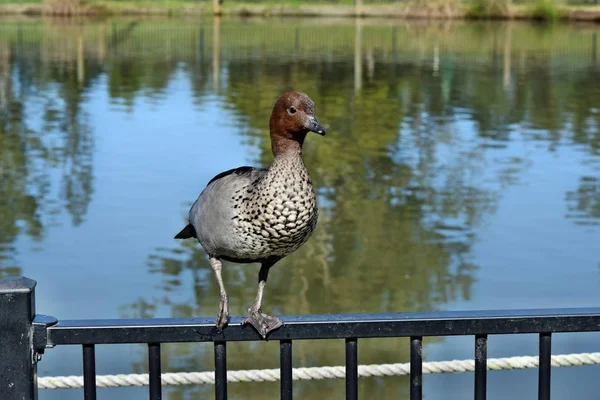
x=40 y=335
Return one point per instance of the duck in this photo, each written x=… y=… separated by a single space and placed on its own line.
x=260 y=215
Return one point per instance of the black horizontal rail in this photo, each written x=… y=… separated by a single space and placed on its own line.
x=160 y=330
x=17 y=309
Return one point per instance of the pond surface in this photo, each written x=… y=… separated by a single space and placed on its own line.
x=461 y=170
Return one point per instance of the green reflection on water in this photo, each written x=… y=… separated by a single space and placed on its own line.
x=397 y=220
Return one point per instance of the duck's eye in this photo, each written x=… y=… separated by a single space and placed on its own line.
x=292 y=110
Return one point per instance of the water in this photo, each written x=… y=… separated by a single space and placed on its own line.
x=461 y=170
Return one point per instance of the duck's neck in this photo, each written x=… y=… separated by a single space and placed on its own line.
x=287 y=145
x=287 y=160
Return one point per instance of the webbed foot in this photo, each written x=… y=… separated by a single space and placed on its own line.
x=263 y=323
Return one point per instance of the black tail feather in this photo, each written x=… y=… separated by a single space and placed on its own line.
x=187 y=232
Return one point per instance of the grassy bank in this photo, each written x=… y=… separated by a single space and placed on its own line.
x=447 y=9
x=135 y=36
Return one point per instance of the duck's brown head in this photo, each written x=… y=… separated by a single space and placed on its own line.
x=292 y=118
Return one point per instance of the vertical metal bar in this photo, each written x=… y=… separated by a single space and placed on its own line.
x=480 y=367
x=285 y=365
x=544 y=367
x=220 y=371
x=18 y=379
x=416 y=368
x=351 y=369
x=89 y=372
x=155 y=371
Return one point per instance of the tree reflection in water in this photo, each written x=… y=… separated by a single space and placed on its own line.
x=403 y=175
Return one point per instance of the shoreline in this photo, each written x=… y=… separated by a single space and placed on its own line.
x=111 y=8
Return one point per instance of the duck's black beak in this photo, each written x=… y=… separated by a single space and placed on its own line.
x=314 y=126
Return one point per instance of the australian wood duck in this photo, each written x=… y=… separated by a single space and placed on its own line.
x=260 y=215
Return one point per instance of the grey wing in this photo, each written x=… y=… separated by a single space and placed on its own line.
x=211 y=215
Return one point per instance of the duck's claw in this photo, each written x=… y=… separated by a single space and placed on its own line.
x=263 y=323
x=223 y=315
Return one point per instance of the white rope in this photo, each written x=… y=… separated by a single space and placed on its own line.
x=272 y=375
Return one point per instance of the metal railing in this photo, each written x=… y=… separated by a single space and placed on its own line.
x=26 y=335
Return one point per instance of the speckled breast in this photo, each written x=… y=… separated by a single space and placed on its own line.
x=278 y=215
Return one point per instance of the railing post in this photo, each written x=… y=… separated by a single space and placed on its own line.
x=18 y=379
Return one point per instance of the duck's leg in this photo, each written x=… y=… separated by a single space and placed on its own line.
x=223 y=315
x=263 y=323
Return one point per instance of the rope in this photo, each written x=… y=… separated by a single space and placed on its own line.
x=272 y=375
